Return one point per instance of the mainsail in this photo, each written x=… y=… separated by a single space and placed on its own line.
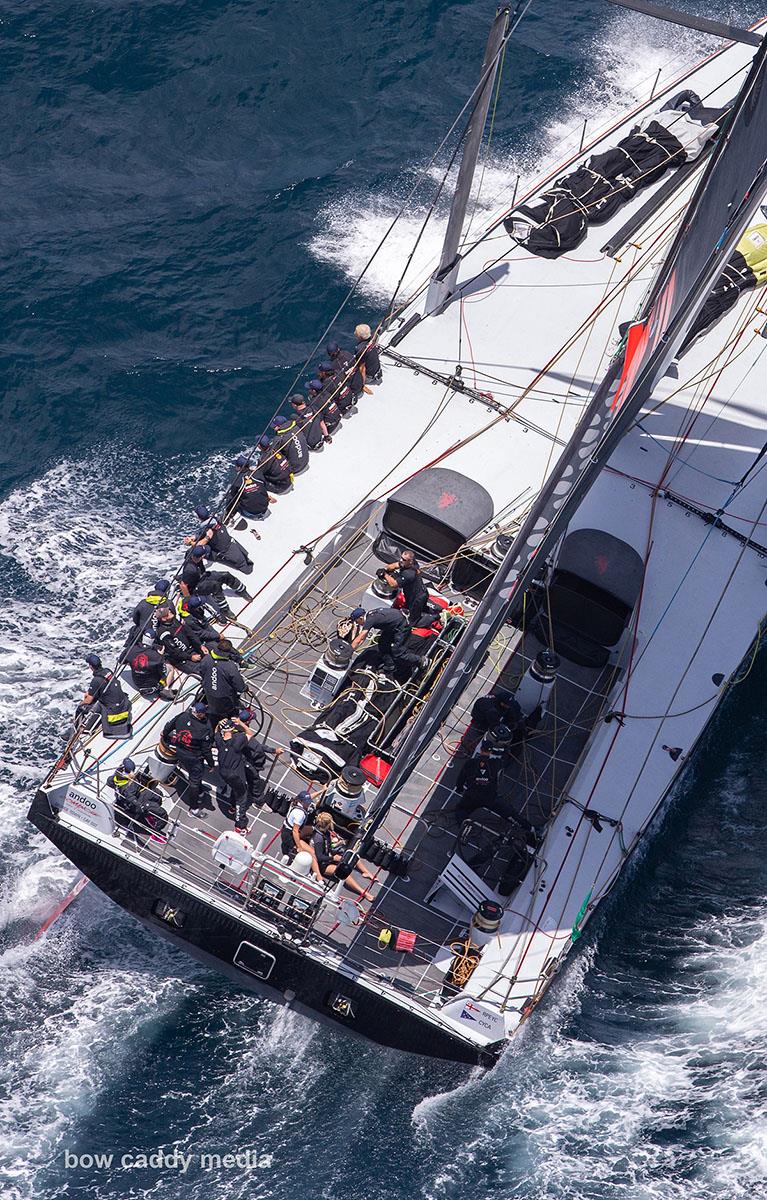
x=719 y=212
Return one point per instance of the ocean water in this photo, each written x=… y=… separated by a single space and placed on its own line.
x=189 y=190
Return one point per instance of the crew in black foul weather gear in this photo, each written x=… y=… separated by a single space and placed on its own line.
x=145 y=616
x=274 y=467
x=347 y=368
x=180 y=647
x=196 y=621
x=477 y=785
x=393 y=630
x=197 y=580
x=368 y=354
x=138 y=806
x=289 y=439
x=406 y=574
x=311 y=423
x=240 y=759
x=106 y=697
x=247 y=493
x=190 y=735
x=222 y=681
x=149 y=672
x=323 y=399
x=212 y=533
x=336 y=386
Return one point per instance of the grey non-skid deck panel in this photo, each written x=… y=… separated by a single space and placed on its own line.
x=533 y=781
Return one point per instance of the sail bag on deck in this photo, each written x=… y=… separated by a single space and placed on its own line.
x=557 y=221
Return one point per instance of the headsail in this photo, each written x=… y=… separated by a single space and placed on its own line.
x=720 y=210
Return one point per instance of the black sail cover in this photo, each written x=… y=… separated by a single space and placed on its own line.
x=718 y=213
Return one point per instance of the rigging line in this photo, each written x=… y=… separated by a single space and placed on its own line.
x=514 y=20
x=723 y=359
x=727 y=355
x=530 y=387
x=610 y=747
x=438 y=459
x=601 y=135
x=722 y=594
x=519 y=13
x=698 y=552
x=583 y=350
x=625 y=121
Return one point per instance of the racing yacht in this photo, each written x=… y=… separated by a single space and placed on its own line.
x=573 y=450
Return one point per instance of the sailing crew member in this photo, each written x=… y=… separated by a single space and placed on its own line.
x=290 y=440
x=405 y=574
x=477 y=785
x=393 y=630
x=190 y=734
x=241 y=758
x=180 y=647
x=297 y=827
x=145 y=616
x=323 y=398
x=499 y=707
x=106 y=697
x=139 y=806
x=222 y=546
x=274 y=467
x=311 y=423
x=368 y=354
x=335 y=386
x=197 y=580
x=325 y=857
x=149 y=672
x=346 y=368
x=247 y=493
x=222 y=681
x=196 y=621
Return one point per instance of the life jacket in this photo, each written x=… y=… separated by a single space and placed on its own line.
x=428 y=631
x=309 y=813
x=323 y=846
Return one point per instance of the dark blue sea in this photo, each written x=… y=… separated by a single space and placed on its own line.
x=188 y=189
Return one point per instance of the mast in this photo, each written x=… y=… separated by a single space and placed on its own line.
x=442 y=284
x=720 y=210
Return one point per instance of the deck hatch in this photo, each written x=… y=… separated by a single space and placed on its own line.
x=437 y=511
x=255 y=961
